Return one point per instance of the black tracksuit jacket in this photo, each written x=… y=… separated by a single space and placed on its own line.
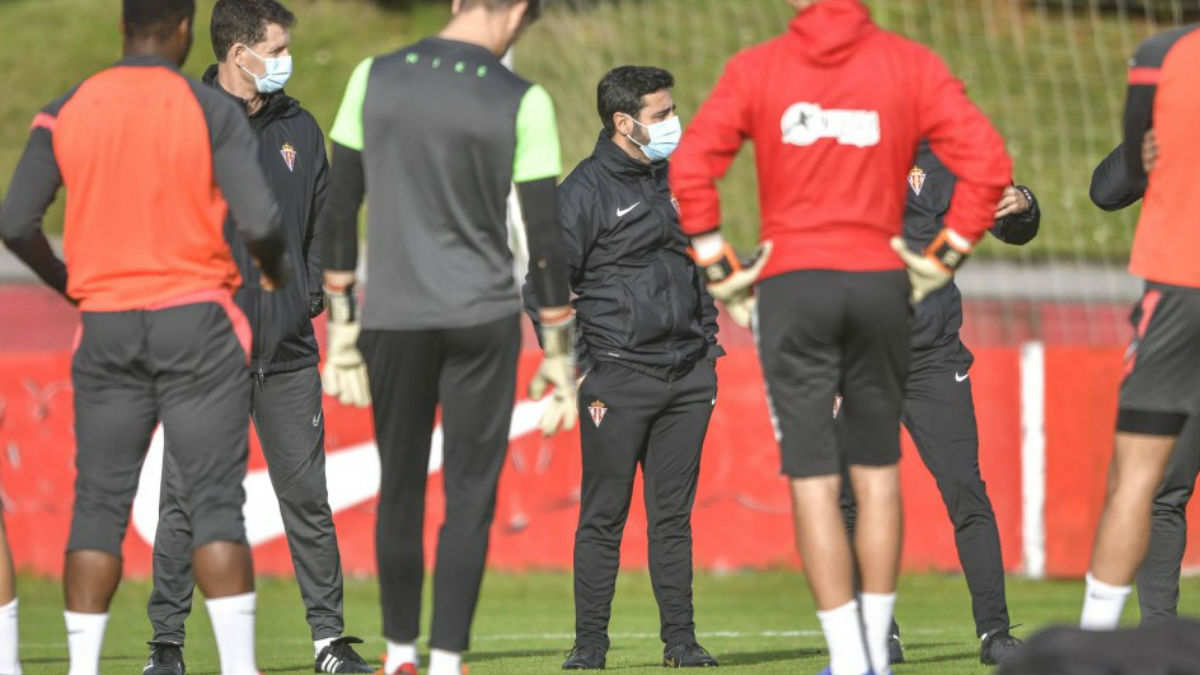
x=292 y=155
x=640 y=299
x=1113 y=188
x=938 y=319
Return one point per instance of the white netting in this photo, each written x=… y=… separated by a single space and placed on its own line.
x=1050 y=73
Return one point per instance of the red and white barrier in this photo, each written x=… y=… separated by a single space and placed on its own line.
x=1046 y=411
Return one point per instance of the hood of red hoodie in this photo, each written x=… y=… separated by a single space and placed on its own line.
x=829 y=30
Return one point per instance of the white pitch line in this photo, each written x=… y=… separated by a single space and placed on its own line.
x=648 y=636
x=727 y=634
x=514 y=637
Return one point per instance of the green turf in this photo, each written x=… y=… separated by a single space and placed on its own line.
x=753 y=622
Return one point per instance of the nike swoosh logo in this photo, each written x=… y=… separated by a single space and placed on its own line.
x=961 y=378
x=351 y=476
x=621 y=212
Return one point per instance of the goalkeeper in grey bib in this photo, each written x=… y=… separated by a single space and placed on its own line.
x=441 y=131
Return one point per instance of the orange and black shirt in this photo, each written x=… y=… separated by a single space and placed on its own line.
x=1164 y=94
x=152 y=162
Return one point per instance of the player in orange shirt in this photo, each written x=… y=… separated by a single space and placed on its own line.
x=149 y=159
x=1161 y=388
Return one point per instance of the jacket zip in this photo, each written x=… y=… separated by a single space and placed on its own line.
x=665 y=241
x=260 y=376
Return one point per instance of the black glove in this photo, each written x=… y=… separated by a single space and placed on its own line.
x=316 y=304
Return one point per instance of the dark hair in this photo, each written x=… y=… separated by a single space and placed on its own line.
x=532 y=14
x=155 y=18
x=245 y=21
x=622 y=90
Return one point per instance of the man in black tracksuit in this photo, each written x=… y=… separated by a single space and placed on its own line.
x=251 y=36
x=646 y=348
x=939 y=411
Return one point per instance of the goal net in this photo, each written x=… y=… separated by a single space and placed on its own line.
x=1049 y=73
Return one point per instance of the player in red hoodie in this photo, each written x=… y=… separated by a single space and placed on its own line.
x=836 y=108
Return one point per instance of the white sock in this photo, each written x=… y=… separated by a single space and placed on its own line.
x=877 y=626
x=444 y=663
x=318 y=645
x=398 y=654
x=9 y=663
x=85 y=636
x=233 y=626
x=843 y=635
x=1102 y=604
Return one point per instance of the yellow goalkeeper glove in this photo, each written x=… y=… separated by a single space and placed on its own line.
x=934 y=267
x=557 y=370
x=345 y=373
x=733 y=284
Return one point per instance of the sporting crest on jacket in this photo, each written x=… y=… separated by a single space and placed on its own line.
x=916 y=179
x=289 y=156
x=598 y=410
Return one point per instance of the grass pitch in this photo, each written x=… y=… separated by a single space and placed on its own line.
x=758 y=623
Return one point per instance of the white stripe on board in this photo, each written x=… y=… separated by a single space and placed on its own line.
x=1033 y=458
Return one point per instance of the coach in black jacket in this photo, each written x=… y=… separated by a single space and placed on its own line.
x=646 y=349
x=251 y=39
x=939 y=411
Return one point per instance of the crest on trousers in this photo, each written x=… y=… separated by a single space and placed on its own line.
x=598 y=410
x=916 y=179
x=289 y=156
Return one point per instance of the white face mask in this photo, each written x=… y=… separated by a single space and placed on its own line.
x=278 y=70
x=664 y=138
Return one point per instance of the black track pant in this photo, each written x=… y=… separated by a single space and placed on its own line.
x=1158 y=580
x=939 y=413
x=472 y=372
x=627 y=419
x=286 y=409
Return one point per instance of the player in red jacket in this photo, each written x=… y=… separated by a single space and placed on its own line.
x=836 y=108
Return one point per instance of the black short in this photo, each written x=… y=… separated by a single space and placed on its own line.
x=1162 y=365
x=185 y=366
x=824 y=332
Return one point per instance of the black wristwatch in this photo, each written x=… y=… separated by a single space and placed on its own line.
x=1033 y=205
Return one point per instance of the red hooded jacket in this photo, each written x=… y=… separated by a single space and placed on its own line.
x=836 y=108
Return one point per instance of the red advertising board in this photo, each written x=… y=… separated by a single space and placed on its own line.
x=742 y=516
